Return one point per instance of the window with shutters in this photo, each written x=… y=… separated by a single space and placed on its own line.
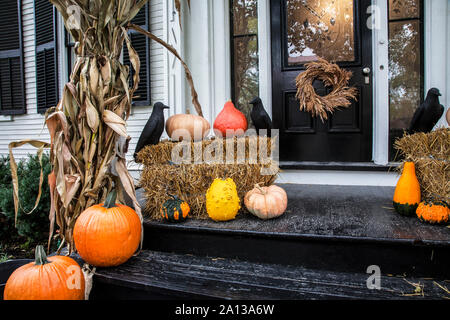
x=141 y=44
x=12 y=86
x=46 y=55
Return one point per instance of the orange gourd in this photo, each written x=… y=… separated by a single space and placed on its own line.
x=230 y=119
x=266 y=202
x=434 y=212
x=407 y=193
x=187 y=127
x=52 y=278
x=107 y=235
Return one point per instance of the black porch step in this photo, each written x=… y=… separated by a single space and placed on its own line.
x=337 y=228
x=158 y=275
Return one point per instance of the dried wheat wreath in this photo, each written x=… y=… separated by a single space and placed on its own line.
x=332 y=76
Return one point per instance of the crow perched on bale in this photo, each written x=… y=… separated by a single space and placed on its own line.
x=153 y=129
x=260 y=118
x=428 y=114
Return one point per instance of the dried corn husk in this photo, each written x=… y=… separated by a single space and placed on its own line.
x=332 y=76
x=87 y=123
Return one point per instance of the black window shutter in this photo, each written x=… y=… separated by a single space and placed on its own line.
x=46 y=55
x=141 y=44
x=12 y=84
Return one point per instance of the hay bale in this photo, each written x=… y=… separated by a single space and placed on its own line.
x=430 y=153
x=191 y=179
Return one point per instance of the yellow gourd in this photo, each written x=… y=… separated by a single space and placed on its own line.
x=222 y=200
x=407 y=193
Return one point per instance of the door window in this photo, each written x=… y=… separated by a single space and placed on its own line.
x=244 y=53
x=405 y=65
x=320 y=28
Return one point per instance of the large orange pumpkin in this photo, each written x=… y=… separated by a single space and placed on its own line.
x=182 y=126
x=53 y=278
x=266 y=202
x=107 y=234
x=230 y=119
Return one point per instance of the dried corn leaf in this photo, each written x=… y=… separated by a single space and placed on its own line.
x=40 y=145
x=115 y=122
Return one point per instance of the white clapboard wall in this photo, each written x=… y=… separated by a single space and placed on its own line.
x=31 y=124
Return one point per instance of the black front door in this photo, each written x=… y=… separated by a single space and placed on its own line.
x=302 y=30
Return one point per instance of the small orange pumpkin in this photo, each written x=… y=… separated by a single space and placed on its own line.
x=266 y=202
x=434 y=212
x=407 y=193
x=187 y=127
x=53 y=278
x=107 y=234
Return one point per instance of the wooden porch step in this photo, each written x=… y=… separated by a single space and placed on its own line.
x=159 y=275
x=336 y=228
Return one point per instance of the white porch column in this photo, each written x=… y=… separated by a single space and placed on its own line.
x=380 y=44
x=175 y=72
x=207 y=53
x=437 y=50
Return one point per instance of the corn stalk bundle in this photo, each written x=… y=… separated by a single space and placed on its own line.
x=332 y=76
x=87 y=128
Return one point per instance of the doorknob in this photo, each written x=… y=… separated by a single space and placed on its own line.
x=366 y=71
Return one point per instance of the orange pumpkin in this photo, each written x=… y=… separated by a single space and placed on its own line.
x=53 y=278
x=434 y=212
x=266 y=202
x=107 y=234
x=230 y=119
x=187 y=127
x=407 y=193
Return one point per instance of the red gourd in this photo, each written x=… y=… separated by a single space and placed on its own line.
x=232 y=119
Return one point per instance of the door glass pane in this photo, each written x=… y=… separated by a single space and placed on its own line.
x=245 y=71
x=320 y=28
x=404 y=72
x=405 y=67
x=245 y=17
x=244 y=49
x=402 y=9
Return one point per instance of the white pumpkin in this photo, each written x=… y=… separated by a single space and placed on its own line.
x=266 y=202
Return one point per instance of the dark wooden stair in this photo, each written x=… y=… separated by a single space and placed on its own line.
x=320 y=249
x=330 y=228
x=159 y=275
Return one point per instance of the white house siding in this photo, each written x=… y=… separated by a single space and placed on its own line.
x=31 y=124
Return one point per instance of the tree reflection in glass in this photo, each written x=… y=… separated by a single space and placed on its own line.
x=320 y=28
x=405 y=66
x=245 y=75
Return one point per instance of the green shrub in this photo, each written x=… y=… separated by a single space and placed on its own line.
x=34 y=226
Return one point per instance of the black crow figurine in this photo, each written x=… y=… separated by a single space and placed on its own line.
x=153 y=129
x=260 y=118
x=428 y=114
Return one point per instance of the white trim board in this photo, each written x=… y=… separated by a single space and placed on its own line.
x=437 y=50
x=319 y=177
x=380 y=80
x=344 y=178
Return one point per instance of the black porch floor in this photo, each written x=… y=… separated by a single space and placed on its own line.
x=320 y=249
x=340 y=212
